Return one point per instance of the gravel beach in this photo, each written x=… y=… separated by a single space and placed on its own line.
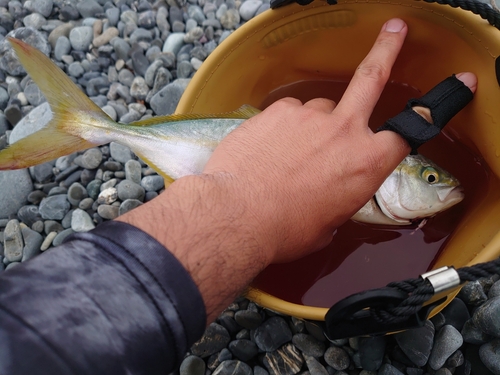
x=135 y=59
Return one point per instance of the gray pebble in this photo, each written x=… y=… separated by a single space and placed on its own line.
x=34 y=20
x=130 y=190
x=248 y=9
x=388 y=369
x=120 y=153
x=165 y=101
x=272 y=334
x=196 y=13
x=54 y=207
x=4 y=99
x=61 y=236
x=63 y=47
x=12 y=265
x=139 y=89
x=81 y=37
x=314 y=366
x=113 y=16
x=93 y=188
x=28 y=215
x=192 y=365
x=371 y=352
x=417 y=343
x=257 y=370
x=153 y=183
x=37 y=226
x=286 y=360
x=34 y=95
x=43 y=172
x=110 y=183
x=90 y=159
x=184 y=69
x=110 y=111
x=130 y=116
x=75 y=69
x=162 y=78
x=213 y=340
x=81 y=221
x=44 y=7
x=58 y=190
x=233 y=367
x=447 y=341
x=34 y=121
x=48 y=241
x=337 y=358
x=32 y=242
x=15 y=187
x=246 y=318
x=494 y=290
x=244 y=350
x=140 y=35
x=490 y=356
x=230 y=19
x=149 y=77
x=487 y=317
x=13 y=241
x=128 y=205
x=173 y=43
x=86 y=203
x=76 y=193
x=472 y=293
x=126 y=77
x=89 y=8
x=108 y=212
x=133 y=171
x=66 y=221
x=122 y=48
x=308 y=345
x=52 y=226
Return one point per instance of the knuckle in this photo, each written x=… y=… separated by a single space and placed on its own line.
x=374 y=71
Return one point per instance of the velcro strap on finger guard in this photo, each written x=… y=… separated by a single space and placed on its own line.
x=444 y=101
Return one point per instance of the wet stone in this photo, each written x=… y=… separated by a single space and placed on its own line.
x=54 y=207
x=37 y=226
x=61 y=236
x=456 y=313
x=337 y=358
x=89 y=8
x=81 y=221
x=490 y=356
x=472 y=293
x=76 y=193
x=233 y=367
x=153 y=183
x=66 y=173
x=417 y=343
x=165 y=101
x=226 y=320
x=15 y=187
x=308 y=345
x=192 y=365
x=52 y=226
x=108 y=212
x=314 y=366
x=66 y=221
x=213 y=340
x=273 y=333
x=248 y=9
x=13 y=242
x=248 y=319
x=93 y=188
x=90 y=159
x=487 y=317
x=87 y=176
x=447 y=341
x=81 y=37
x=32 y=242
x=286 y=360
x=86 y=203
x=120 y=153
x=371 y=352
x=44 y=7
x=494 y=290
x=43 y=172
x=244 y=350
x=63 y=47
x=456 y=359
x=257 y=370
x=130 y=190
x=388 y=369
x=438 y=320
x=28 y=215
x=129 y=205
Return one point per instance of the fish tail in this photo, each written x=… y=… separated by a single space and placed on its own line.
x=76 y=119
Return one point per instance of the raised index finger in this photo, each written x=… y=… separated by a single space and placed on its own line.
x=372 y=74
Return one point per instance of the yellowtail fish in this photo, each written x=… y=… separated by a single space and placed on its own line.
x=180 y=145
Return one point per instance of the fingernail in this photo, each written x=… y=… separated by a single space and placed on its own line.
x=469 y=79
x=395 y=25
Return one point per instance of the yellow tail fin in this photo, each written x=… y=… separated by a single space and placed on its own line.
x=72 y=111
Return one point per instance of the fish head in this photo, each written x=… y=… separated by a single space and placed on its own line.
x=416 y=189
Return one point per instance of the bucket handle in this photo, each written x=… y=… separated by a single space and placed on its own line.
x=485 y=11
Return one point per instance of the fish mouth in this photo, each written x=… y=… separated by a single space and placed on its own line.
x=451 y=195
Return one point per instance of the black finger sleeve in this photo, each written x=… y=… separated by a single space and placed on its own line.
x=444 y=101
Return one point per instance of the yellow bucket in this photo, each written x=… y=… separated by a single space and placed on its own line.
x=321 y=42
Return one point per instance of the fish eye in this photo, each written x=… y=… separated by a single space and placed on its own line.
x=430 y=175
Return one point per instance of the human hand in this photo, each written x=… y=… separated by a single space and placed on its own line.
x=301 y=170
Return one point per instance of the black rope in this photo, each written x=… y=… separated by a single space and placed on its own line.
x=420 y=291
x=485 y=11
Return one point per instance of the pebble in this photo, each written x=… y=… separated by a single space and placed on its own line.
x=309 y=345
x=44 y=7
x=59 y=238
x=472 y=293
x=15 y=187
x=63 y=47
x=247 y=318
x=54 y=207
x=81 y=37
x=34 y=121
x=48 y=241
x=153 y=183
x=81 y=221
x=165 y=101
x=371 y=352
x=248 y=9
x=233 y=367
x=76 y=193
x=35 y=21
x=33 y=95
x=108 y=212
x=447 y=341
x=28 y=215
x=13 y=241
x=286 y=360
x=52 y=226
x=244 y=350
x=90 y=159
x=417 y=343
x=314 y=366
x=456 y=313
x=89 y=8
x=213 y=340
x=192 y=365
x=337 y=358
x=230 y=19
x=487 y=317
x=105 y=37
x=388 y=369
x=173 y=43
x=128 y=205
x=139 y=89
x=272 y=334
x=490 y=355
x=120 y=153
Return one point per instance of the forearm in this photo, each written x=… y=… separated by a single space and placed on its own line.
x=210 y=233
